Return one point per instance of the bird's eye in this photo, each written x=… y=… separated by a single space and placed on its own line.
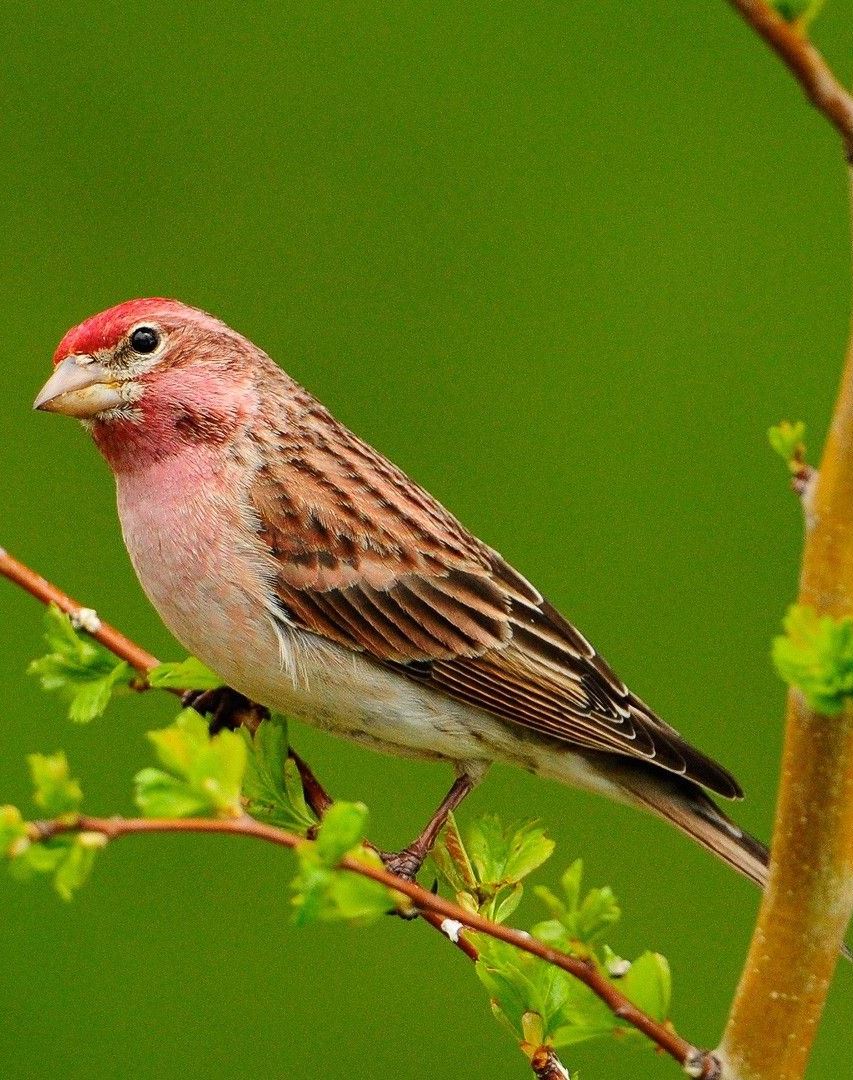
x=144 y=339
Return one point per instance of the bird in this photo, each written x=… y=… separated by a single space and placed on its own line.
x=317 y=579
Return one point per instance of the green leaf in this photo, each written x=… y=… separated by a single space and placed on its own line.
x=189 y=674
x=161 y=795
x=576 y=921
x=13 y=832
x=343 y=828
x=787 y=440
x=506 y=903
x=55 y=791
x=76 y=865
x=358 y=899
x=815 y=655
x=528 y=848
x=38 y=858
x=504 y=855
x=803 y=11
x=203 y=773
x=322 y=893
x=77 y=668
x=486 y=871
x=272 y=785
x=68 y=859
x=520 y=984
x=648 y=984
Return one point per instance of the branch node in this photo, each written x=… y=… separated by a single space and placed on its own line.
x=546 y=1065
x=86 y=619
x=452 y=928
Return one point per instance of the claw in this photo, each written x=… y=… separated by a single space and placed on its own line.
x=226 y=708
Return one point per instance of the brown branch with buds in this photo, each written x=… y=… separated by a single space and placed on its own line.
x=448 y=918
x=809 y=898
x=806 y=64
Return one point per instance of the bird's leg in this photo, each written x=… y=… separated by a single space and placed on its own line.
x=407 y=863
x=226 y=709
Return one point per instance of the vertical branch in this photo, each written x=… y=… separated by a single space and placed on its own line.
x=809 y=898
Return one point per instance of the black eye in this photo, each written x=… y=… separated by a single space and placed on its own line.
x=144 y=339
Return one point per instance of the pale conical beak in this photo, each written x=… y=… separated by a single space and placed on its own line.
x=81 y=390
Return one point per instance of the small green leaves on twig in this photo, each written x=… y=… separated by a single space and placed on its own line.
x=202 y=775
x=55 y=790
x=486 y=870
x=13 y=832
x=540 y=1004
x=787 y=440
x=77 y=668
x=801 y=12
x=578 y=922
x=815 y=655
x=87 y=676
x=272 y=786
x=68 y=858
x=322 y=893
x=189 y=674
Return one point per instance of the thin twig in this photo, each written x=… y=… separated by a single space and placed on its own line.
x=48 y=593
x=585 y=971
x=448 y=918
x=817 y=79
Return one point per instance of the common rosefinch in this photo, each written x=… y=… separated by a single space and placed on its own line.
x=318 y=579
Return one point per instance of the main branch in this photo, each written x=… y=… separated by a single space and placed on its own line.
x=809 y=897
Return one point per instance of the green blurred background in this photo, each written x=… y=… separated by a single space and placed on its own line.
x=565 y=263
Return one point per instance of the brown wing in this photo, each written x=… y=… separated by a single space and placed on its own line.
x=366 y=558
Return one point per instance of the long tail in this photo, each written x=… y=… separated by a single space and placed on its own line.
x=685 y=805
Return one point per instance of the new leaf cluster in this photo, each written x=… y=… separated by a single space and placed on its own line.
x=68 y=858
x=83 y=673
x=539 y=1004
x=815 y=655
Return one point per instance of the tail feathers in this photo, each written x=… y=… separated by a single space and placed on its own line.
x=686 y=806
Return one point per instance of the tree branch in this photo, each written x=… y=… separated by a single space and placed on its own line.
x=809 y=897
x=817 y=79
x=442 y=914
x=695 y=1062
x=81 y=616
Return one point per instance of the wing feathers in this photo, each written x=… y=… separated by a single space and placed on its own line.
x=365 y=558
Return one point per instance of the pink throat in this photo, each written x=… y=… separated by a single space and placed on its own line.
x=182 y=412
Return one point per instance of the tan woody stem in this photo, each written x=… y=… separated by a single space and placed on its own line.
x=809 y=898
